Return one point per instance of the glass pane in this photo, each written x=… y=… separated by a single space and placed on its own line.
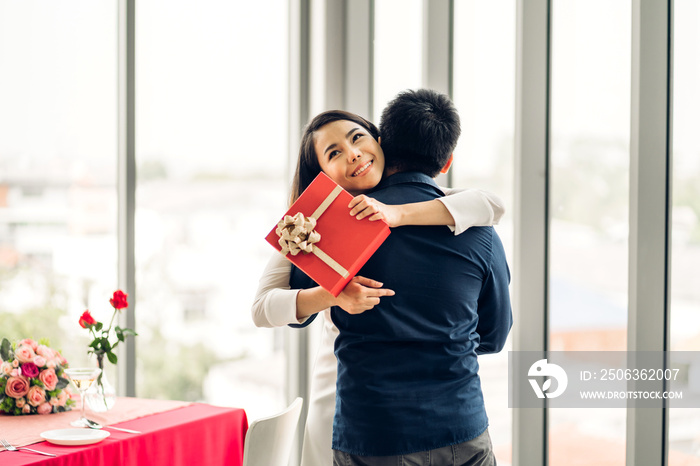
x=684 y=430
x=485 y=40
x=589 y=209
x=57 y=169
x=398 y=33
x=211 y=161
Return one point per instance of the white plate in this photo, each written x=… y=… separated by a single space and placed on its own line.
x=74 y=436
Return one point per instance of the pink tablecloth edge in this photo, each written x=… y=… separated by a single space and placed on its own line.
x=24 y=430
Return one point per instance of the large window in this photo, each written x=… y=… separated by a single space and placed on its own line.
x=484 y=73
x=398 y=49
x=211 y=165
x=57 y=169
x=589 y=179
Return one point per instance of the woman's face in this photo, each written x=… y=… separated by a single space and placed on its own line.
x=349 y=155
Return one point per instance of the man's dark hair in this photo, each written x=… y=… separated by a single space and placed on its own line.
x=419 y=131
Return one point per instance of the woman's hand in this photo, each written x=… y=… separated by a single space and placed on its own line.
x=364 y=206
x=361 y=295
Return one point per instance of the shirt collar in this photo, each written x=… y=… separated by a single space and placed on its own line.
x=405 y=177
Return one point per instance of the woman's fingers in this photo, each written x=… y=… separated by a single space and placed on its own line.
x=367 y=282
x=373 y=211
x=375 y=287
x=356 y=200
x=362 y=206
x=362 y=294
x=357 y=204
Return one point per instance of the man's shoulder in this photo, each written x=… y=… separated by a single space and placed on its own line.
x=483 y=243
x=476 y=237
x=480 y=244
x=487 y=233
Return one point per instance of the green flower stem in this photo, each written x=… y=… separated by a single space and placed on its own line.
x=114 y=314
x=100 y=387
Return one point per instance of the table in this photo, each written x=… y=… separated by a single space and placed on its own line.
x=197 y=434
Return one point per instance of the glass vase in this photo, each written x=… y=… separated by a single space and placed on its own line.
x=101 y=395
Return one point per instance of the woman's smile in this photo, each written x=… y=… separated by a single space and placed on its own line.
x=363 y=168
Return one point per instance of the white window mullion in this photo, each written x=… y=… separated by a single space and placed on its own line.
x=438 y=47
x=126 y=187
x=649 y=243
x=299 y=68
x=530 y=262
x=358 y=95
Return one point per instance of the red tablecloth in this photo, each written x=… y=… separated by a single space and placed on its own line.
x=198 y=434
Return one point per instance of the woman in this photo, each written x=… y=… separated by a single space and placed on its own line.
x=347 y=148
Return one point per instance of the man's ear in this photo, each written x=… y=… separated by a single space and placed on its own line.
x=447 y=166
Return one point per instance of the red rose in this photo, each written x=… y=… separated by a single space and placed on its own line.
x=86 y=320
x=30 y=370
x=118 y=300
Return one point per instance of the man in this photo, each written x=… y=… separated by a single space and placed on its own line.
x=408 y=383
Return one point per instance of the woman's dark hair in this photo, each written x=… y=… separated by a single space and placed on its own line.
x=307 y=164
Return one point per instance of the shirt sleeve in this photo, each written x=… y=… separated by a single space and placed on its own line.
x=275 y=304
x=494 y=308
x=472 y=208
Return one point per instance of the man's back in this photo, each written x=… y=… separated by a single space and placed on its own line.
x=407 y=369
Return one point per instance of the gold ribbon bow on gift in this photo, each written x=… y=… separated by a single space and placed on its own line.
x=297 y=233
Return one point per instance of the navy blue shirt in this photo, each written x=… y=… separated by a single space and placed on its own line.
x=407 y=369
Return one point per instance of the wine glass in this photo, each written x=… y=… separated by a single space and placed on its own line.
x=82 y=378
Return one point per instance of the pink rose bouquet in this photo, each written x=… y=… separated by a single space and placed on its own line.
x=31 y=379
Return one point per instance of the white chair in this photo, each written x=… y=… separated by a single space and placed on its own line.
x=268 y=441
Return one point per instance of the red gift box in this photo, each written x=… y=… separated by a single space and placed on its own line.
x=319 y=235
